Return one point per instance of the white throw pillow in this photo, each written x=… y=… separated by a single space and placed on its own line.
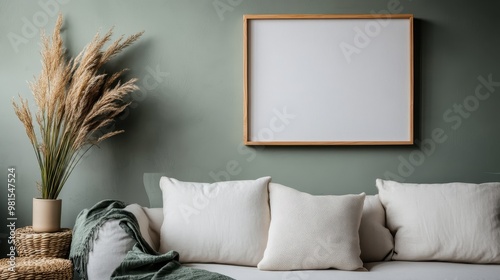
x=223 y=222
x=455 y=222
x=312 y=232
x=375 y=239
x=112 y=242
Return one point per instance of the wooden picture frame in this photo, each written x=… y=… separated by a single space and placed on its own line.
x=328 y=79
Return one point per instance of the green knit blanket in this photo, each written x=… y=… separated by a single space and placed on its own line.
x=142 y=262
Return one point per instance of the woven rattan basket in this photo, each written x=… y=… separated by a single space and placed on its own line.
x=36 y=268
x=34 y=244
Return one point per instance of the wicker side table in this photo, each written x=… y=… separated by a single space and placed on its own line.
x=37 y=268
x=34 y=244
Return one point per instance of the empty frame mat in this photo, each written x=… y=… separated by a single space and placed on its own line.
x=328 y=79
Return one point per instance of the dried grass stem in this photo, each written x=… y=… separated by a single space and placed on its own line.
x=76 y=100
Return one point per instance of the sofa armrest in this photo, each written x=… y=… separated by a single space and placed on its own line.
x=112 y=242
x=150 y=220
x=109 y=249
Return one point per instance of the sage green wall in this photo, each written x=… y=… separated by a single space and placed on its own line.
x=187 y=119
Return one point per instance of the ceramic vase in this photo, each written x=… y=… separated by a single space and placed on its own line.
x=46 y=215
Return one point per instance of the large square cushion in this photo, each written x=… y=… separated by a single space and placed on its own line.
x=223 y=222
x=456 y=222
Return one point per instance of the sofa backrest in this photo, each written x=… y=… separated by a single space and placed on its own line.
x=376 y=241
x=152 y=187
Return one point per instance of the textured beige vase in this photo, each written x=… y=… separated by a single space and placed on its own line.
x=46 y=215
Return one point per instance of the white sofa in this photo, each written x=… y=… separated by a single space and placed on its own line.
x=382 y=256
